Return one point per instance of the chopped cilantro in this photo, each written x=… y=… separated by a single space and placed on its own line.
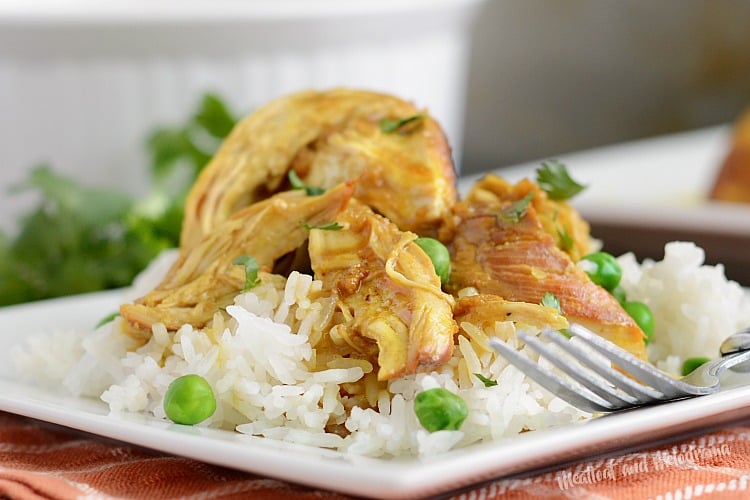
x=549 y=300
x=107 y=319
x=389 y=125
x=566 y=241
x=554 y=179
x=488 y=382
x=251 y=271
x=297 y=183
x=328 y=226
x=515 y=212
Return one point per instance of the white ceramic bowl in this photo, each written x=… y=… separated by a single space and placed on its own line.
x=82 y=82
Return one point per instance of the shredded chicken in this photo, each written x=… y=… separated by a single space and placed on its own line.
x=205 y=277
x=384 y=186
x=484 y=310
x=330 y=137
x=519 y=260
x=388 y=292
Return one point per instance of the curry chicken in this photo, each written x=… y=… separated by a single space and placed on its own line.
x=341 y=184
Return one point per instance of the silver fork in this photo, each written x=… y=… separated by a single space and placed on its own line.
x=603 y=389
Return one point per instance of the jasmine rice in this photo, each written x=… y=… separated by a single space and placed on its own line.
x=260 y=360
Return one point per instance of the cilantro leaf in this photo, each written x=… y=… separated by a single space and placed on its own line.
x=515 y=212
x=390 y=126
x=83 y=239
x=554 y=179
x=107 y=319
x=488 y=382
x=189 y=147
x=214 y=116
x=76 y=240
x=328 y=226
x=549 y=300
x=566 y=240
x=297 y=183
x=251 y=271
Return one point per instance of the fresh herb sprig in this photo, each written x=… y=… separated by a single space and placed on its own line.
x=390 y=125
x=327 y=226
x=554 y=179
x=251 y=271
x=488 y=382
x=109 y=318
x=190 y=145
x=84 y=238
x=550 y=300
x=297 y=183
x=513 y=213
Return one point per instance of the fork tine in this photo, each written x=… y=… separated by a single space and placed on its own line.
x=579 y=397
x=638 y=393
x=578 y=369
x=668 y=386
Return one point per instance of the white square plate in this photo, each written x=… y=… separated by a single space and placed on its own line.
x=406 y=477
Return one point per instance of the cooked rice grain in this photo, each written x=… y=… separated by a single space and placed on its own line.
x=694 y=305
x=260 y=359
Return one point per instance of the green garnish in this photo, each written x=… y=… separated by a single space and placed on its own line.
x=439 y=409
x=549 y=300
x=189 y=400
x=192 y=144
x=389 y=125
x=297 y=183
x=251 y=271
x=83 y=239
x=328 y=226
x=554 y=179
x=106 y=319
x=488 y=382
x=515 y=212
x=566 y=240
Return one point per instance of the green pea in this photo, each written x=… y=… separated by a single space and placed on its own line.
x=189 y=400
x=642 y=316
x=438 y=409
x=691 y=364
x=438 y=254
x=606 y=271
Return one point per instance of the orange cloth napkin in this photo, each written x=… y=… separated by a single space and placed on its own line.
x=44 y=461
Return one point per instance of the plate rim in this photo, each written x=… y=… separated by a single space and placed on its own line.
x=392 y=478
x=413 y=476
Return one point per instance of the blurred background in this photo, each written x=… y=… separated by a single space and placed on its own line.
x=110 y=94
x=550 y=77
x=511 y=80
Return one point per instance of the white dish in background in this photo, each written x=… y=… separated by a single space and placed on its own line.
x=659 y=182
x=83 y=82
x=379 y=478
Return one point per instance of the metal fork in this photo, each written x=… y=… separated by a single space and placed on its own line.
x=604 y=389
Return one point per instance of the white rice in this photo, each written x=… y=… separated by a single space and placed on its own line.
x=259 y=364
x=695 y=307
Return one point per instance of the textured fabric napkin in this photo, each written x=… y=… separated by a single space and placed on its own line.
x=44 y=461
